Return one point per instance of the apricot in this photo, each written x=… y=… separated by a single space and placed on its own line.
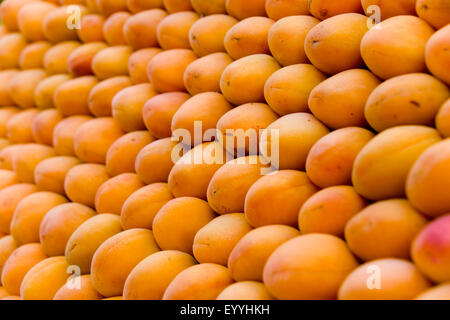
x=122 y=154
x=108 y=7
x=173 y=6
x=3 y=143
x=287 y=36
x=44 y=279
x=443 y=120
x=116 y=257
x=199 y=282
x=128 y=103
x=7 y=178
x=141 y=5
x=151 y=277
x=406 y=100
x=19 y=126
x=9 y=11
x=203 y=75
x=10 y=197
x=45 y=90
x=111 y=62
x=208 y=7
x=295 y=135
x=3 y=293
x=383 y=279
x=85 y=291
x=58 y=225
x=137 y=64
x=80 y=60
x=11 y=45
x=250 y=72
x=170 y=234
x=82 y=182
x=241 y=10
x=435 y=12
x=143 y=23
x=56 y=58
x=324 y=9
x=85 y=240
x=93 y=139
x=91 y=28
x=302 y=262
x=43 y=124
x=214 y=242
x=12 y=298
x=191 y=174
x=230 y=183
x=245 y=290
x=21 y=87
x=50 y=173
x=141 y=207
x=329 y=210
x=71 y=96
x=6 y=113
x=278 y=9
x=166 y=69
x=173 y=30
x=385 y=229
x=5 y=98
x=244 y=125
x=32 y=56
x=112 y=194
x=7 y=154
x=7 y=246
x=287 y=90
x=56 y=23
x=389 y=8
x=248 y=37
x=439 y=292
x=207 y=34
x=207 y=107
x=31 y=18
x=64 y=132
x=18 y=264
x=27 y=158
x=430 y=252
x=381 y=168
x=396 y=46
x=113 y=28
x=159 y=111
x=330 y=160
x=283 y=192
x=101 y=95
x=342 y=105
x=437 y=57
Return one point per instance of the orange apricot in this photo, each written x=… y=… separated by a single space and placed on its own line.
x=245 y=290
x=80 y=60
x=207 y=34
x=121 y=155
x=172 y=235
x=102 y=94
x=128 y=103
x=91 y=28
x=389 y=8
x=113 y=28
x=56 y=58
x=141 y=5
x=32 y=56
x=137 y=64
x=5 y=78
x=82 y=182
x=437 y=57
x=64 y=132
x=6 y=113
x=21 y=87
x=71 y=96
x=31 y=18
x=435 y=12
x=443 y=120
x=93 y=139
x=116 y=257
x=151 y=277
x=7 y=178
x=9 y=11
x=305 y=261
x=19 y=126
x=111 y=62
x=173 y=6
x=7 y=155
x=208 y=7
x=166 y=69
x=7 y=246
x=145 y=22
x=241 y=10
x=45 y=90
x=141 y=207
x=324 y=9
x=86 y=239
x=43 y=124
x=27 y=158
x=50 y=173
x=159 y=111
x=199 y=282
x=11 y=45
x=60 y=25
x=173 y=30
x=439 y=292
x=78 y=288
x=214 y=242
x=330 y=160
x=108 y=7
x=278 y=9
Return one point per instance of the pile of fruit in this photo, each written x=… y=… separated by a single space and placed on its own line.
x=225 y=149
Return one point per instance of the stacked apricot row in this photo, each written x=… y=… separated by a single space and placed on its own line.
x=94 y=206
